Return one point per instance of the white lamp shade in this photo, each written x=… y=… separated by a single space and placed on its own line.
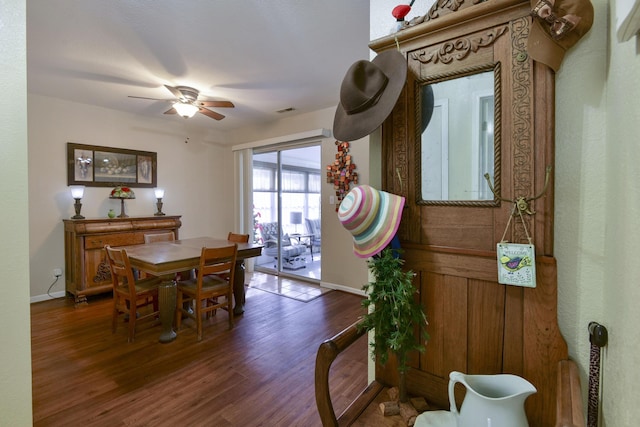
x=77 y=191
x=159 y=193
x=295 y=217
x=185 y=110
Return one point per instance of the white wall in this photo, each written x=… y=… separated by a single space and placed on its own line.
x=607 y=241
x=196 y=176
x=580 y=181
x=597 y=206
x=15 y=353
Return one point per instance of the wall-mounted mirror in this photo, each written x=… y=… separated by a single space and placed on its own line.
x=458 y=136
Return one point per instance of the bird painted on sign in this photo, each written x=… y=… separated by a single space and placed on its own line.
x=515 y=263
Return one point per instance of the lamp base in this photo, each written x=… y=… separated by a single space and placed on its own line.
x=77 y=205
x=159 y=207
x=122 y=213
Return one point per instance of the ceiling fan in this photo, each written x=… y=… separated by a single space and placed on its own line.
x=186 y=103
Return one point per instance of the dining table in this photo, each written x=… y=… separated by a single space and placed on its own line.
x=165 y=259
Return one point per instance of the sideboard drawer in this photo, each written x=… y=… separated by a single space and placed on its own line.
x=122 y=239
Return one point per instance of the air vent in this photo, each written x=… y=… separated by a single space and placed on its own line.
x=285 y=110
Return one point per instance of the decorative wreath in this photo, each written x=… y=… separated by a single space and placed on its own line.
x=341 y=173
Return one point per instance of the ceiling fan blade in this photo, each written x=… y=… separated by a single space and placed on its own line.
x=152 y=99
x=175 y=92
x=211 y=114
x=171 y=111
x=219 y=104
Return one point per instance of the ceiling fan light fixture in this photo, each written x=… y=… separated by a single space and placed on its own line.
x=185 y=110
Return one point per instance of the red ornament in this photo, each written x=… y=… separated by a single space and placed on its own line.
x=399 y=12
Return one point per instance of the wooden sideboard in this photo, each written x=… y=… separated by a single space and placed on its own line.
x=86 y=267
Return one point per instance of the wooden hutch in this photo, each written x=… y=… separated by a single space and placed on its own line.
x=86 y=267
x=476 y=325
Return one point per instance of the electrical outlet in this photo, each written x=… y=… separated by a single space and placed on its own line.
x=332 y=200
x=57 y=272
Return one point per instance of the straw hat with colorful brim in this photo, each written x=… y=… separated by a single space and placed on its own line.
x=372 y=217
x=368 y=93
x=557 y=26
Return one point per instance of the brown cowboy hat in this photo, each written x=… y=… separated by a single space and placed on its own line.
x=368 y=93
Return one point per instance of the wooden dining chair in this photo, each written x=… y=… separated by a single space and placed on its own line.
x=231 y=237
x=129 y=294
x=238 y=238
x=169 y=236
x=214 y=280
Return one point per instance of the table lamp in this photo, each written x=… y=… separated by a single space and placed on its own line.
x=159 y=192
x=121 y=192
x=77 y=191
x=295 y=218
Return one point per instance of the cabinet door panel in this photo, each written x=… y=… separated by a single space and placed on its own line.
x=96 y=268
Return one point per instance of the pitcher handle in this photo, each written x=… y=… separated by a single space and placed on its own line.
x=454 y=377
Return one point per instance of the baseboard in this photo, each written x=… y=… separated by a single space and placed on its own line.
x=343 y=288
x=46 y=297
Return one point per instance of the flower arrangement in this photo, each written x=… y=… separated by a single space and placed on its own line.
x=257 y=227
x=121 y=192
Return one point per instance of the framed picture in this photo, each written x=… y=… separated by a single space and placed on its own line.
x=95 y=166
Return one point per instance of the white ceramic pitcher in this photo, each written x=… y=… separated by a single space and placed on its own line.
x=491 y=400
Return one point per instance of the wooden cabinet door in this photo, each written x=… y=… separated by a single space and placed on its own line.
x=97 y=271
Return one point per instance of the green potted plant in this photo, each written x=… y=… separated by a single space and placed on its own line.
x=392 y=313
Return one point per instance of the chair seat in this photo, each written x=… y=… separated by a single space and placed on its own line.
x=209 y=284
x=142 y=286
x=215 y=279
x=130 y=294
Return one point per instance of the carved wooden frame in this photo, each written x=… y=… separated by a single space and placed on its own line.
x=436 y=78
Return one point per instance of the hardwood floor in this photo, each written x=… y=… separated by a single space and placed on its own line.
x=261 y=373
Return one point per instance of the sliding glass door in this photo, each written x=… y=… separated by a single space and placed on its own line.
x=286 y=209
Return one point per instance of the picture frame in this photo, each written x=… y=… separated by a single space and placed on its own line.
x=98 y=166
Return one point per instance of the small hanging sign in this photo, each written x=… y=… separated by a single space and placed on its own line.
x=516 y=264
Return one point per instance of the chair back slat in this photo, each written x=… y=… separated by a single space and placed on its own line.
x=121 y=269
x=130 y=295
x=160 y=237
x=238 y=238
x=215 y=279
x=217 y=260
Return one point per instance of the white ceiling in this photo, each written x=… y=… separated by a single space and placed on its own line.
x=261 y=55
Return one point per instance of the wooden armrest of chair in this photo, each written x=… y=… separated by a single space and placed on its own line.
x=327 y=353
x=569 y=412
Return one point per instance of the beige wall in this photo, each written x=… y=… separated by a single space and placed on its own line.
x=15 y=353
x=620 y=290
x=196 y=177
x=598 y=207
